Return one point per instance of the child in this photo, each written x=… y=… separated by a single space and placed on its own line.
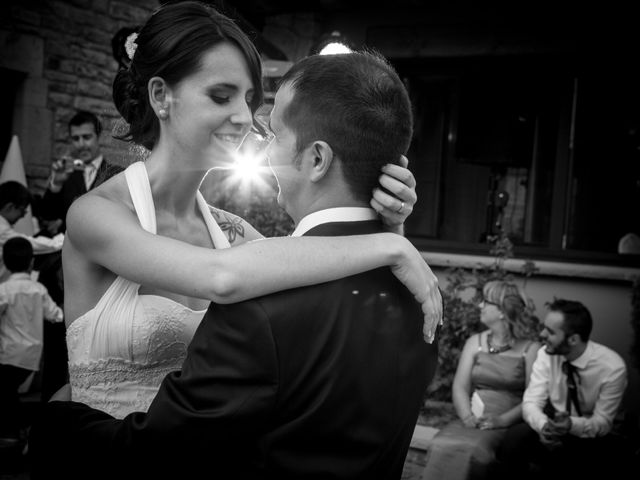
x=14 y=201
x=24 y=303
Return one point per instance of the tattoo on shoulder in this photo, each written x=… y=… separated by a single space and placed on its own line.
x=231 y=225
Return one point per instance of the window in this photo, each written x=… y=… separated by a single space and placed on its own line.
x=604 y=189
x=534 y=146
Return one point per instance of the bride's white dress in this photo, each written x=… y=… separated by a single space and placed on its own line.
x=120 y=350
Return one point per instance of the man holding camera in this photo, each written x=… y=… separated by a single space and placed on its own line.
x=76 y=174
x=71 y=176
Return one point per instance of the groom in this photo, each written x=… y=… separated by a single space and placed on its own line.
x=316 y=382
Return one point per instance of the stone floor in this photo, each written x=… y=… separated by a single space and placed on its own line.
x=434 y=415
x=417 y=455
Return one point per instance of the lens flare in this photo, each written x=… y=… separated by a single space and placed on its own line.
x=248 y=167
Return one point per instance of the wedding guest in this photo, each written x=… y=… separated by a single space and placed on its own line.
x=324 y=381
x=84 y=168
x=15 y=198
x=492 y=373
x=25 y=304
x=144 y=254
x=55 y=370
x=570 y=405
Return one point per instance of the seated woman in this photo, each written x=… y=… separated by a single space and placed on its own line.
x=490 y=379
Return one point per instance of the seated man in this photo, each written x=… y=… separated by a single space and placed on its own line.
x=570 y=404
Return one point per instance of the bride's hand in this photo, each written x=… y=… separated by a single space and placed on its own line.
x=415 y=274
x=396 y=204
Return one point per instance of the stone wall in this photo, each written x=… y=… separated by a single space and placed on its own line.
x=62 y=48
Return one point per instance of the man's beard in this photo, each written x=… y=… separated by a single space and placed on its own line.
x=561 y=349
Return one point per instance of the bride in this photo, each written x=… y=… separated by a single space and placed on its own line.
x=144 y=254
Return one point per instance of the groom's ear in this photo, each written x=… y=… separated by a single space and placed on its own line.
x=321 y=158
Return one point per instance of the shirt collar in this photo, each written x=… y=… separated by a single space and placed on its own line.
x=583 y=359
x=20 y=276
x=330 y=215
x=96 y=162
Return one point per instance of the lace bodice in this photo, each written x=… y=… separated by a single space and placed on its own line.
x=161 y=332
x=120 y=350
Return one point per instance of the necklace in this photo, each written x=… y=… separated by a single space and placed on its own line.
x=500 y=349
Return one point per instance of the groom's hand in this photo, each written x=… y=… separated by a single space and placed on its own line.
x=396 y=196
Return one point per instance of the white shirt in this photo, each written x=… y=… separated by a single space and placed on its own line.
x=91 y=170
x=40 y=244
x=331 y=215
x=602 y=381
x=24 y=304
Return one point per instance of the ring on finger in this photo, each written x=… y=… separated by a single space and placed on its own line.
x=401 y=207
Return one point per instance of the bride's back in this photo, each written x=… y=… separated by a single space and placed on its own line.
x=85 y=281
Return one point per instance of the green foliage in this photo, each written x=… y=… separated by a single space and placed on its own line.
x=461 y=296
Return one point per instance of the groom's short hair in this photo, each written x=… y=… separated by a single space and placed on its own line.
x=358 y=105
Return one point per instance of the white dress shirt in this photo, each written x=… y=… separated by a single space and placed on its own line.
x=40 y=244
x=331 y=215
x=24 y=304
x=91 y=170
x=602 y=381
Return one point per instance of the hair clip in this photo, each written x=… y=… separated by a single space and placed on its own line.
x=130 y=45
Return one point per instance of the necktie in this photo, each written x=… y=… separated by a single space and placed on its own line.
x=572 y=389
x=89 y=175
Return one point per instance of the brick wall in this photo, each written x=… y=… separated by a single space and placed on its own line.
x=63 y=50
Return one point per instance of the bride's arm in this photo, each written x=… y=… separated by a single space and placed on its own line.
x=108 y=234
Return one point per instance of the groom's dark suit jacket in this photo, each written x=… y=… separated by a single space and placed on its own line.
x=317 y=382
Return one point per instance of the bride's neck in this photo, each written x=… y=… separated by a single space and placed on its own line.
x=174 y=184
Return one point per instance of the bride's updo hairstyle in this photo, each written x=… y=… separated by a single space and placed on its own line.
x=171 y=45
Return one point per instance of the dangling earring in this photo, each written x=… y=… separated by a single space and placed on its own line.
x=163 y=114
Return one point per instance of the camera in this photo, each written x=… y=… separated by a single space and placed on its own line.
x=73 y=163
